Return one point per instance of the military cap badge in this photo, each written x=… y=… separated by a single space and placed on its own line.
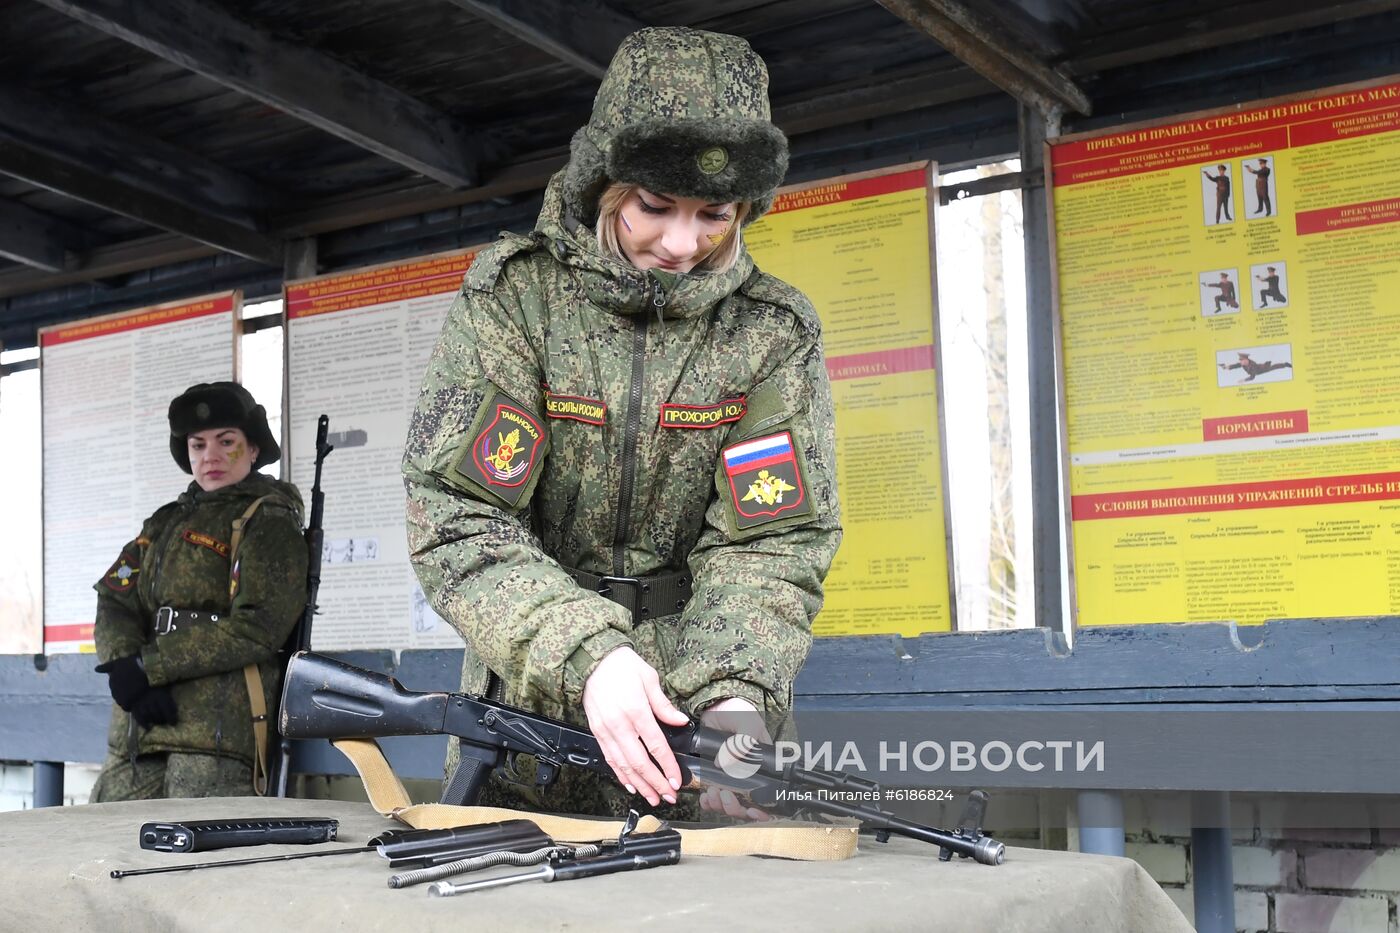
x=713 y=160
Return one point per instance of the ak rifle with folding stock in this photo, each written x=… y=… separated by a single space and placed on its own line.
x=327 y=699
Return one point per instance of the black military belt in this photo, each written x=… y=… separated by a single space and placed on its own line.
x=168 y=619
x=650 y=597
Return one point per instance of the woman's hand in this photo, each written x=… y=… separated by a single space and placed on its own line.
x=623 y=700
x=738 y=716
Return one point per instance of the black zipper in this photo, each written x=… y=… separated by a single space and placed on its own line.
x=632 y=430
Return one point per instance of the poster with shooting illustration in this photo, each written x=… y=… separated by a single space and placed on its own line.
x=1229 y=331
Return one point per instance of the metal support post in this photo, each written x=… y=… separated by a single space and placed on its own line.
x=48 y=784
x=1101 y=822
x=1041 y=352
x=1213 y=874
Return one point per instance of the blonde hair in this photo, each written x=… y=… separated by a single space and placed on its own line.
x=719 y=259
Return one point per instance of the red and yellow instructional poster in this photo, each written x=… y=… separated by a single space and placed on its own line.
x=357 y=346
x=107 y=386
x=861 y=248
x=1230 y=331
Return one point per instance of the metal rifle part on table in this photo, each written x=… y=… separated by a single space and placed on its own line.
x=403 y=847
x=633 y=851
x=329 y=699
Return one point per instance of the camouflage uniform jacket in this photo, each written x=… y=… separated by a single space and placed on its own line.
x=181 y=560
x=549 y=334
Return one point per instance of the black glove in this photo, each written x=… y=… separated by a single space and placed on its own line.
x=126 y=678
x=156 y=707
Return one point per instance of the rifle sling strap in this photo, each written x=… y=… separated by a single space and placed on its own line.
x=257 y=699
x=811 y=842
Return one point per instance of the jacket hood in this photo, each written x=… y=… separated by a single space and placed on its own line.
x=680 y=112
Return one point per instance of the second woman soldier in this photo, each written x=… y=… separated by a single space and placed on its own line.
x=193 y=611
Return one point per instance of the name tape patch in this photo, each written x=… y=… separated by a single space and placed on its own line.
x=703 y=416
x=575 y=408
x=765 y=481
x=203 y=540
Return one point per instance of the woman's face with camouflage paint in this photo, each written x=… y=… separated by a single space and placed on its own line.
x=220 y=457
x=669 y=232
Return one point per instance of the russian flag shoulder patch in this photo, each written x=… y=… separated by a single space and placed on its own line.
x=765 y=480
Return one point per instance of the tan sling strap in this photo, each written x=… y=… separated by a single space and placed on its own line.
x=257 y=701
x=811 y=842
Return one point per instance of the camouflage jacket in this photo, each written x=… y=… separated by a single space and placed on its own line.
x=579 y=412
x=181 y=560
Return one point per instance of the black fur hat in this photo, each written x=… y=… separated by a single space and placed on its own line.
x=220 y=405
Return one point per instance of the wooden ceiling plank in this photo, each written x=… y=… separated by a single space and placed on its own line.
x=34 y=239
x=76 y=136
x=882 y=95
x=979 y=41
x=86 y=157
x=1223 y=25
x=101 y=190
x=584 y=33
x=316 y=88
x=117 y=259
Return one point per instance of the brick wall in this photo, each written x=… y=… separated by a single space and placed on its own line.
x=1287 y=880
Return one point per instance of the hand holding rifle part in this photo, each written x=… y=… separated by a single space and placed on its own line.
x=325 y=698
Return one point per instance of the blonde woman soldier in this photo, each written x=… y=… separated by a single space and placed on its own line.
x=621 y=472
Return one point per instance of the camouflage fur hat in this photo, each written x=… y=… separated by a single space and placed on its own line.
x=219 y=405
x=680 y=112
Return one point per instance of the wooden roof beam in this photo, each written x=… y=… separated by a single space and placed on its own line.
x=583 y=33
x=880 y=95
x=113 y=259
x=985 y=45
x=83 y=156
x=1220 y=26
x=205 y=38
x=36 y=239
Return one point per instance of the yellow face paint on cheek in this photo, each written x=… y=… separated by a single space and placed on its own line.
x=718 y=238
x=237 y=453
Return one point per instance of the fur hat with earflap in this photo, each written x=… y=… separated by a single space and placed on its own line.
x=680 y=112
x=220 y=405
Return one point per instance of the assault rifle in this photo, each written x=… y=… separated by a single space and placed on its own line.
x=300 y=639
x=327 y=699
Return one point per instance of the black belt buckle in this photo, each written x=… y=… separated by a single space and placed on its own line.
x=165 y=620
x=632 y=603
x=656 y=595
x=605 y=590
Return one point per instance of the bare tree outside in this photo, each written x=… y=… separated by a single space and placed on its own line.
x=983 y=329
